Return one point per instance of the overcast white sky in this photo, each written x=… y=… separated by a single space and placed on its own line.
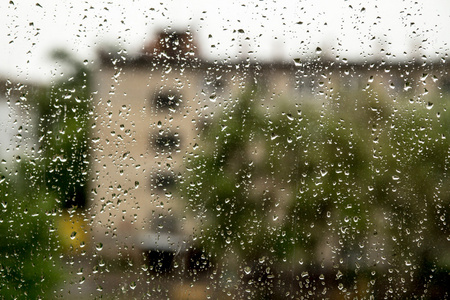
x=355 y=30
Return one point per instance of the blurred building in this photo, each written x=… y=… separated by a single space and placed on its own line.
x=17 y=123
x=150 y=109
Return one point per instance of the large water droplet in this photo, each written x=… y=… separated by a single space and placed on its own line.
x=99 y=246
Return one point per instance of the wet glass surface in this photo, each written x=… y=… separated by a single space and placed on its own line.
x=224 y=151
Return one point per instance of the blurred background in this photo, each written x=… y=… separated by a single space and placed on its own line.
x=224 y=151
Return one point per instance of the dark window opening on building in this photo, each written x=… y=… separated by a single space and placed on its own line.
x=161 y=244
x=167 y=141
x=160 y=261
x=219 y=83
x=167 y=101
x=164 y=181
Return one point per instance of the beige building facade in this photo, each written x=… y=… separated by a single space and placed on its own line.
x=150 y=110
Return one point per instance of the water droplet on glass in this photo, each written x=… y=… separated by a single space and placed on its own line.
x=99 y=246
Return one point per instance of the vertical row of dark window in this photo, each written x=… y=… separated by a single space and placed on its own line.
x=165 y=141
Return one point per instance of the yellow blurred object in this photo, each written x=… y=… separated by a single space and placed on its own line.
x=72 y=229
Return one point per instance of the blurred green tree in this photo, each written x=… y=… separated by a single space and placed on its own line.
x=63 y=110
x=35 y=189
x=29 y=260
x=357 y=177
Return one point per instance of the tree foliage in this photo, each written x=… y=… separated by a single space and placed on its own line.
x=35 y=188
x=63 y=111
x=29 y=264
x=341 y=184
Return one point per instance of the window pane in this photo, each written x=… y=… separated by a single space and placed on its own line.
x=238 y=150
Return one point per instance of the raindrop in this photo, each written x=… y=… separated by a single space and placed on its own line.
x=247 y=270
x=99 y=246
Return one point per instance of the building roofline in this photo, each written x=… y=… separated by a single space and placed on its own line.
x=147 y=61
